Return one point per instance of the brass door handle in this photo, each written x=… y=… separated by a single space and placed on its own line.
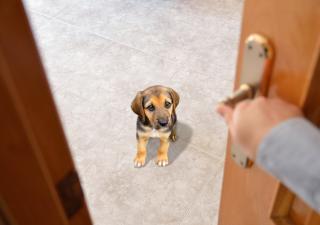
x=256 y=65
x=244 y=92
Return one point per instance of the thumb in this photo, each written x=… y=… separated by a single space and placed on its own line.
x=226 y=112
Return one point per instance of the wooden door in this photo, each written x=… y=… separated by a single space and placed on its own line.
x=38 y=181
x=250 y=196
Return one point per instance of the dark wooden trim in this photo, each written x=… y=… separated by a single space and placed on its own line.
x=34 y=154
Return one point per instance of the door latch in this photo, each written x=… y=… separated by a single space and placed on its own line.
x=254 y=76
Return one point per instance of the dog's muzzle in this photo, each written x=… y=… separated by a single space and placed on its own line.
x=163 y=122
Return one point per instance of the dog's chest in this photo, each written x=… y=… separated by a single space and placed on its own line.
x=154 y=133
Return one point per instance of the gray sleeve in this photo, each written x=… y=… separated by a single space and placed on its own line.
x=291 y=152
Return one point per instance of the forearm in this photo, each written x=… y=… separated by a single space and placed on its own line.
x=291 y=152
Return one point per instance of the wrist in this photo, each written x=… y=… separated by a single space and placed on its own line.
x=257 y=139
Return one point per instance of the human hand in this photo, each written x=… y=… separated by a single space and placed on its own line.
x=251 y=120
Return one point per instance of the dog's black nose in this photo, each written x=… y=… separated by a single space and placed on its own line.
x=163 y=122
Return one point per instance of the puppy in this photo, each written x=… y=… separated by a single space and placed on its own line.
x=155 y=107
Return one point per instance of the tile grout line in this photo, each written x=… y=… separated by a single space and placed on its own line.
x=179 y=65
x=182 y=64
x=38 y=13
x=112 y=40
x=108 y=39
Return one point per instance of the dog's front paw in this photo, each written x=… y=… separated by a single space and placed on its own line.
x=162 y=160
x=139 y=162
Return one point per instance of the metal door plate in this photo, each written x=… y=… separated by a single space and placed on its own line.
x=255 y=71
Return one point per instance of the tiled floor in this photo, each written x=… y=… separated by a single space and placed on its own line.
x=97 y=55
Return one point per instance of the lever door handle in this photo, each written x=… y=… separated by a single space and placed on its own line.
x=256 y=65
x=244 y=92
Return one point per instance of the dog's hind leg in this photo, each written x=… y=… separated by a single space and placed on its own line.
x=173 y=135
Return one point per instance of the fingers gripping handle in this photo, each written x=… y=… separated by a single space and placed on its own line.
x=254 y=75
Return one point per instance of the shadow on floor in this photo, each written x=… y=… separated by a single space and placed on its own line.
x=184 y=134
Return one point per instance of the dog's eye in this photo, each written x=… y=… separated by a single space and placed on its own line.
x=151 y=108
x=167 y=104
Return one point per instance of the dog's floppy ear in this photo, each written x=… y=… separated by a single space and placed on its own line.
x=175 y=97
x=137 y=106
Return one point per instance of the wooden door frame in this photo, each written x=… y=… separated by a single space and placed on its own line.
x=285 y=199
x=38 y=179
x=262 y=17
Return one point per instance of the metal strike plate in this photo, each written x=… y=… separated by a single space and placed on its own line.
x=255 y=71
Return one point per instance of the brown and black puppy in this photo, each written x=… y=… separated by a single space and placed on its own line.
x=155 y=107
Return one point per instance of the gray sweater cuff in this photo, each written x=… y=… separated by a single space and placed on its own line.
x=291 y=152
